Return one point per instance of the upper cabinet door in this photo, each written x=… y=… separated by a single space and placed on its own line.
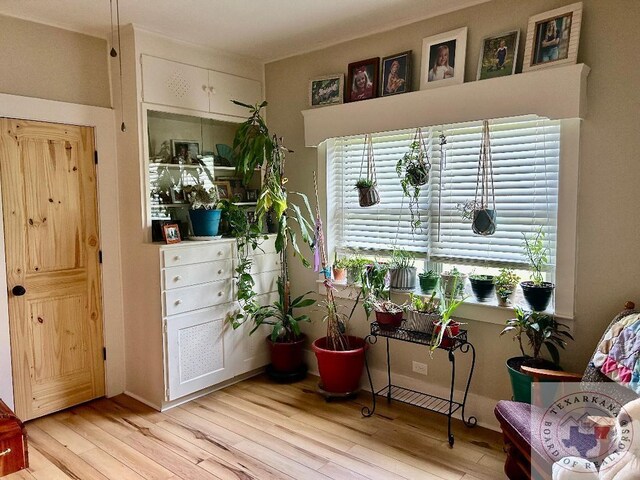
x=171 y=83
x=224 y=87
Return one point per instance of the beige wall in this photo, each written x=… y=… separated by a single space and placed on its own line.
x=47 y=62
x=608 y=264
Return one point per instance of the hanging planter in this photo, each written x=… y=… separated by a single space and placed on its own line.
x=483 y=214
x=413 y=169
x=368 y=195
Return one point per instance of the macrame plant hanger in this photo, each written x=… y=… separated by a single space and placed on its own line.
x=443 y=165
x=484 y=211
x=367 y=186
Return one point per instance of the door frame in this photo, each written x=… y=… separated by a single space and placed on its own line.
x=103 y=122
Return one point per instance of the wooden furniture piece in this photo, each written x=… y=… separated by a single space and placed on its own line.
x=13 y=442
x=526 y=457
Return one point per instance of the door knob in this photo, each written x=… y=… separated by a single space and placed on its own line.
x=18 y=290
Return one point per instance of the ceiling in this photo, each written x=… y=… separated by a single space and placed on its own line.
x=261 y=29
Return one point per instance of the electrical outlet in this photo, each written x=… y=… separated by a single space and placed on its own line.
x=420 y=368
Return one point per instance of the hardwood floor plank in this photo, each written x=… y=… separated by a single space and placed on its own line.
x=337 y=472
x=64 y=435
x=104 y=462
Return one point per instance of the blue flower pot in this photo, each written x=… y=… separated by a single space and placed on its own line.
x=205 y=223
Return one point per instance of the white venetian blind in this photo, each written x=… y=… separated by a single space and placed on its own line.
x=525 y=165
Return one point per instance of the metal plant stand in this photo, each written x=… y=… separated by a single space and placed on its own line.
x=436 y=404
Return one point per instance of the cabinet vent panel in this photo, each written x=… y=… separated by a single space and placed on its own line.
x=178 y=85
x=200 y=350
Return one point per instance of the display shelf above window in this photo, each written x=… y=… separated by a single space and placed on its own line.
x=555 y=93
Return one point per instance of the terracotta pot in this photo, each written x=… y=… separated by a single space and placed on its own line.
x=340 y=371
x=451 y=330
x=287 y=357
x=389 y=321
x=340 y=274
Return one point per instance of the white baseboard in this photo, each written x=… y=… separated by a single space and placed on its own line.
x=477 y=406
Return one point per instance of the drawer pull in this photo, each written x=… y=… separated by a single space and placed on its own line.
x=177 y=278
x=220 y=272
x=5 y=452
x=219 y=252
x=177 y=302
x=176 y=258
x=219 y=294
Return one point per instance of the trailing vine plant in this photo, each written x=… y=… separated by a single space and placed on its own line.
x=413 y=169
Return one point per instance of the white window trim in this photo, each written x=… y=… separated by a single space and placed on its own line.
x=566 y=248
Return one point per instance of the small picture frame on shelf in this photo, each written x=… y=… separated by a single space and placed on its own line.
x=178 y=196
x=326 y=90
x=552 y=38
x=185 y=151
x=498 y=55
x=362 y=82
x=443 y=58
x=224 y=190
x=171 y=233
x=252 y=195
x=396 y=74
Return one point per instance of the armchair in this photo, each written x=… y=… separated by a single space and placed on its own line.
x=526 y=457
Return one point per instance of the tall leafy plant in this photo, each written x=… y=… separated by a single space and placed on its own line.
x=537 y=253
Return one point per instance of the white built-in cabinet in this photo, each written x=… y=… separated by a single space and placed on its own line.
x=175 y=84
x=198 y=294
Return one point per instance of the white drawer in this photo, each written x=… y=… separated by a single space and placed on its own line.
x=269 y=262
x=197 y=296
x=173 y=257
x=266 y=282
x=266 y=246
x=175 y=277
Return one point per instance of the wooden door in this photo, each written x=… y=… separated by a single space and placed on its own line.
x=50 y=214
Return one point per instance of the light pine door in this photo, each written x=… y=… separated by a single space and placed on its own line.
x=50 y=215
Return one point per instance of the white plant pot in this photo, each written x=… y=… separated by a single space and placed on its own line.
x=402 y=278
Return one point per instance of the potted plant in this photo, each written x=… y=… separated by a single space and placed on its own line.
x=482 y=286
x=203 y=212
x=355 y=268
x=446 y=328
x=374 y=286
x=452 y=283
x=428 y=281
x=402 y=273
x=540 y=330
x=367 y=192
x=340 y=269
x=506 y=283
x=413 y=169
x=422 y=312
x=537 y=292
x=388 y=314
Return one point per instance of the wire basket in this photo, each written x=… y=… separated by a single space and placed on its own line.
x=421 y=322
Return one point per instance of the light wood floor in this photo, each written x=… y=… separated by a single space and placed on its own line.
x=256 y=430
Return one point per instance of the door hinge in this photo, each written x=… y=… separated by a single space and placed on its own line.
x=99 y=256
x=104 y=353
x=164 y=326
x=95 y=156
x=166 y=394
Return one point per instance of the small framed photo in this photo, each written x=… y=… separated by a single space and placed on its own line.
x=224 y=190
x=327 y=90
x=185 y=151
x=498 y=55
x=362 y=81
x=252 y=195
x=552 y=38
x=171 y=233
x=443 y=59
x=396 y=74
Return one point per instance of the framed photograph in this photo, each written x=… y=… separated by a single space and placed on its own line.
x=171 y=233
x=252 y=195
x=224 y=190
x=185 y=151
x=498 y=55
x=362 y=81
x=327 y=90
x=552 y=38
x=443 y=58
x=396 y=74
x=178 y=196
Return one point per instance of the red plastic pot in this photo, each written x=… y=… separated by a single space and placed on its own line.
x=287 y=357
x=451 y=330
x=340 y=371
x=389 y=321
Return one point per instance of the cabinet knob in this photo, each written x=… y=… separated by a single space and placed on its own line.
x=177 y=302
x=219 y=294
x=219 y=252
x=212 y=90
x=204 y=88
x=177 y=278
x=176 y=257
x=220 y=272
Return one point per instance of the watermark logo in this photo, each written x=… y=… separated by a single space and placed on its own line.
x=590 y=427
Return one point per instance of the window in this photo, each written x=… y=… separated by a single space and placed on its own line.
x=525 y=152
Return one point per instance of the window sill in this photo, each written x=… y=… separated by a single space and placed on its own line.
x=471 y=309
